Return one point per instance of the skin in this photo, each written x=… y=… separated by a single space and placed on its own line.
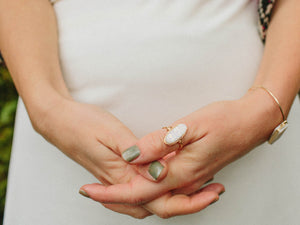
x=89 y=135
x=214 y=138
x=48 y=103
x=221 y=132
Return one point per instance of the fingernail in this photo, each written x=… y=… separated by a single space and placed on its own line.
x=209 y=180
x=131 y=153
x=82 y=192
x=214 y=201
x=155 y=169
x=221 y=193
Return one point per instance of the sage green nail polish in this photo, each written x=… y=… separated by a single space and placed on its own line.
x=131 y=153
x=214 y=201
x=82 y=192
x=221 y=193
x=209 y=180
x=155 y=169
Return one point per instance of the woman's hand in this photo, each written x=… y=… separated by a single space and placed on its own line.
x=94 y=138
x=89 y=135
x=217 y=135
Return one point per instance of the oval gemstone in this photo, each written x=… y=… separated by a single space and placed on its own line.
x=174 y=135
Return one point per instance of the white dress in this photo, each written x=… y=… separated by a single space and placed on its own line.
x=151 y=62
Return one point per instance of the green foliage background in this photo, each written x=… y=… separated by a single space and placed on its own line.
x=8 y=104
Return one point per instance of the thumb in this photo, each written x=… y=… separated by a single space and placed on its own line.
x=154 y=171
x=151 y=148
x=149 y=151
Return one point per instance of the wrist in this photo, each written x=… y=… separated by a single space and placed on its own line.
x=263 y=111
x=41 y=102
x=285 y=91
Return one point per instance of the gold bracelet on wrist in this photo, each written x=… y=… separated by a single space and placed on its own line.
x=279 y=130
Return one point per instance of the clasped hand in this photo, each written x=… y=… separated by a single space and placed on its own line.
x=217 y=135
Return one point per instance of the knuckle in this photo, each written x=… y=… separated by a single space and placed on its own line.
x=164 y=215
x=136 y=200
x=134 y=197
x=159 y=142
x=158 y=137
x=154 y=143
x=161 y=137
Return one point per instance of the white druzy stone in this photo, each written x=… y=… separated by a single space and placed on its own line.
x=174 y=135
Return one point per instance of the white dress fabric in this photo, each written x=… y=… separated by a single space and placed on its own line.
x=151 y=62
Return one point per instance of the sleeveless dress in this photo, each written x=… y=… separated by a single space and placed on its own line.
x=150 y=63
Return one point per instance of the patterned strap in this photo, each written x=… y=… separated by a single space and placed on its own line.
x=264 y=11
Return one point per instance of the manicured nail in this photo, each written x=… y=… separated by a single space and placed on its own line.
x=131 y=153
x=82 y=192
x=221 y=192
x=155 y=169
x=214 y=201
x=209 y=180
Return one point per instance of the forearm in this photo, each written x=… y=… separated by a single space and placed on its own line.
x=280 y=66
x=29 y=45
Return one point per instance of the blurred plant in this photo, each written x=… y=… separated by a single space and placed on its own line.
x=8 y=104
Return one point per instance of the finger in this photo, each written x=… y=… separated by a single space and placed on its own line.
x=210 y=180
x=173 y=205
x=189 y=189
x=140 y=190
x=137 y=191
x=112 y=133
x=153 y=146
x=155 y=171
x=134 y=211
x=216 y=187
x=183 y=169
